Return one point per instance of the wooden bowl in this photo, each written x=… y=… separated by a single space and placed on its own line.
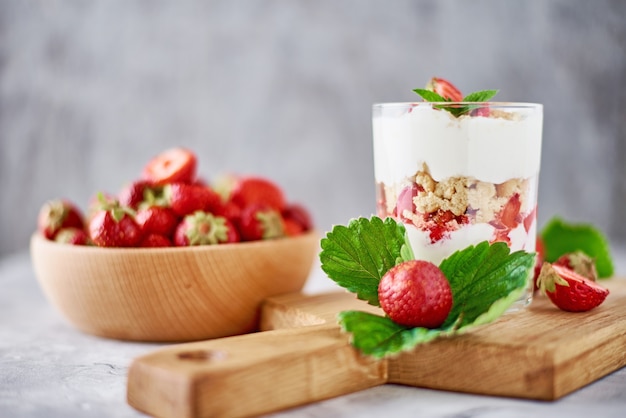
x=170 y=294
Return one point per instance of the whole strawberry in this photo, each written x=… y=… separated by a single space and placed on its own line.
x=114 y=226
x=185 y=199
x=57 y=214
x=72 y=236
x=415 y=293
x=202 y=228
x=569 y=290
x=252 y=190
x=258 y=222
x=156 y=220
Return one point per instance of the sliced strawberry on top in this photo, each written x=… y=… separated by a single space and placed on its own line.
x=569 y=290
x=173 y=165
x=57 y=214
x=252 y=190
x=445 y=89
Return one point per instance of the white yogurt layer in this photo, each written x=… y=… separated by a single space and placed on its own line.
x=462 y=238
x=486 y=148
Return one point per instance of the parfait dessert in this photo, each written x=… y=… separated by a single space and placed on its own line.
x=456 y=174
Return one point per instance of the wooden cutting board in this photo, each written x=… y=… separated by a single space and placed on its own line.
x=303 y=357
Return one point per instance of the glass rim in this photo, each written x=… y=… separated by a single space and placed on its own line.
x=517 y=105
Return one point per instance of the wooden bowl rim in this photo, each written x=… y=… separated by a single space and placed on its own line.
x=235 y=246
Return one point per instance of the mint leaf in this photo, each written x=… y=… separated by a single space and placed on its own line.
x=430 y=96
x=480 y=96
x=560 y=237
x=457 y=110
x=356 y=257
x=482 y=275
x=379 y=336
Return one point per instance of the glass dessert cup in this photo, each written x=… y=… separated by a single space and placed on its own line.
x=456 y=174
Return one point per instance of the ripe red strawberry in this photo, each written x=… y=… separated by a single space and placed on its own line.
x=203 y=228
x=131 y=195
x=259 y=222
x=154 y=241
x=581 y=263
x=57 y=214
x=569 y=290
x=185 y=199
x=509 y=214
x=415 y=293
x=298 y=214
x=72 y=236
x=156 y=220
x=114 y=226
x=173 y=165
x=445 y=89
x=257 y=191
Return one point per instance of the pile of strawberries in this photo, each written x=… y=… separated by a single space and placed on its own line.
x=170 y=206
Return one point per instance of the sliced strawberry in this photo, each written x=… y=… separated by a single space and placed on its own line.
x=530 y=218
x=173 y=165
x=405 y=200
x=257 y=191
x=509 y=213
x=569 y=290
x=155 y=241
x=445 y=89
x=157 y=220
x=202 y=228
x=185 y=199
x=260 y=222
x=57 y=214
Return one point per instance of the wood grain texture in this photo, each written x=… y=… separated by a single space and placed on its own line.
x=251 y=374
x=537 y=353
x=170 y=294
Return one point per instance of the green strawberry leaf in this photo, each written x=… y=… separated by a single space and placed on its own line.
x=480 y=96
x=356 y=257
x=457 y=110
x=379 y=336
x=560 y=237
x=485 y=281
x=482 y=275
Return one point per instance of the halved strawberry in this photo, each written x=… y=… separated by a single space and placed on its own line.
x=569 y=290
x=184 y=199
x=57 y=214
x=509 y=213
x=445 y=89
x=259 y=222
x=173 y=165
x=257 y=191
x=581 y=263
x=202 y=228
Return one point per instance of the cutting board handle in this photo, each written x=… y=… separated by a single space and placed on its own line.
x=250 y=374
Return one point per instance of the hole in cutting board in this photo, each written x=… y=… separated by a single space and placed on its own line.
x=202 y=355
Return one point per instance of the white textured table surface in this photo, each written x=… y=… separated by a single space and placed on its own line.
x=48 y=369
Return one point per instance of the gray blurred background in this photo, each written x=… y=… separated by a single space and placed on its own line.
x=90 y=91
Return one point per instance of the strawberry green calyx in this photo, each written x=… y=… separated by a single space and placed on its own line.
x=272 y=224
x=204 y=228
x=549 y=278
x=112 y=205
x=155 y=196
